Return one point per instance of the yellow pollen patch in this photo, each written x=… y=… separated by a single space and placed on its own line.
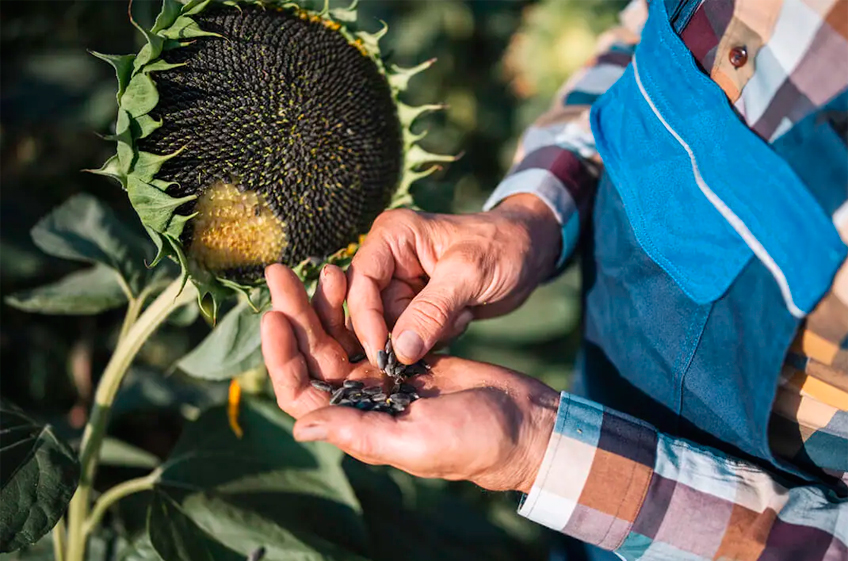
x=235 y=229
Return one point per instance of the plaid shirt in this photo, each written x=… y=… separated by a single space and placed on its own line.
x=612 y=480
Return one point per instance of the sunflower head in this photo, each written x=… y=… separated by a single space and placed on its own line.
x=252 y=132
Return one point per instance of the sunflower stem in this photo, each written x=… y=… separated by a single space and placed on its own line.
x=60 y=538
x=172 y=298
x=117 y=493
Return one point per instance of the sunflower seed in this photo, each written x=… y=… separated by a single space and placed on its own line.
x=338 y=395
x=382 y=359
x=398 y=407
x=372 y=390
x=354 y=384
x=407 y=388
x=378 y=398
x=356 y=396
x=389 y=347
x=321 y=385
x=400 y=398
x=347 y=403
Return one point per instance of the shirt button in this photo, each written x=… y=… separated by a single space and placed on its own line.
x=738 y=56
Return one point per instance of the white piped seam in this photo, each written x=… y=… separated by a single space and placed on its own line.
x=737 y=224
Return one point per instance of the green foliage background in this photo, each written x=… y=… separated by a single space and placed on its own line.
x=499 y=64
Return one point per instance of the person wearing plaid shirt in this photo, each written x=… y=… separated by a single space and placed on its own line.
x=699 y=167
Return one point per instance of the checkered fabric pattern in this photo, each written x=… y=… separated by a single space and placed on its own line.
x=613 y=481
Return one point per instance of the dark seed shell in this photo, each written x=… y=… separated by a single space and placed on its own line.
x=401 y=398
x=389 y=346
x=382 y=360
x=372 y=390
x=357 y=358
x=321 y=385
x=338 y=395
x=354 y=384
x=399 y=407
x=356 y=396
x=378 y=397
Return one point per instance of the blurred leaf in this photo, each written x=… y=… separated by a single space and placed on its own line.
x=424 y=521
x=38 y=478
x=552 y=311
x=231 y=348
x=219 y=492
x=98 y=549
x=116 y=452
x=175 y=536
x=185 y=316
x=146 y=388
x=85 y=229
x=88 y=292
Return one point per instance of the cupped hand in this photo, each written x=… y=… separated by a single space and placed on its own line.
x=475 y=421
x=429 y=275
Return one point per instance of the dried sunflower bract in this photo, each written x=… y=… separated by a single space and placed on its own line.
x=252 y=132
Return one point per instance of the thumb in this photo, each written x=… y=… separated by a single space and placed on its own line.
x=371 y=437
x=438 y=311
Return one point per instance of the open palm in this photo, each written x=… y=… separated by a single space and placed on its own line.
x=476 y=421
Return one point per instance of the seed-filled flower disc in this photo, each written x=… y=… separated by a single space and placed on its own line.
x=252 y=133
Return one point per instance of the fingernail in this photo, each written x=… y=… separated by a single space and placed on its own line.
x=408 y=344
x=462 y=320
x=310 y=433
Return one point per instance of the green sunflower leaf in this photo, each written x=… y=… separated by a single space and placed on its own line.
x=38 y=479
x=147 y=165
x=123 y=136
x=221 y=493
x=84 y=229
x=162 y=65
x=141 y=95
x=231 y=348
x=195 y=7
x=167 y=16
x=112 y=168
x=123 y=65
x=154 y=207
x=175 y=535
x=88 y=292
x=186 y=28
x=345 y=15
x=145 y=125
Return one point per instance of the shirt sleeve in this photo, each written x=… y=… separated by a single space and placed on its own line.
x=616 y=482
x=556 y=159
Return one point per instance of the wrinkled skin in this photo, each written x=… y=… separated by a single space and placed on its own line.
x=476 y=421
x=427 y=276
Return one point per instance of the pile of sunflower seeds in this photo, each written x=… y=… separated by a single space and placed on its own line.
x=353 y=393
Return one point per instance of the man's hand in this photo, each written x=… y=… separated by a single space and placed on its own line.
x=475 y=421
x=429 y=274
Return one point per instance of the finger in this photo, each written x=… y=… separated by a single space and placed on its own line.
x=324 y=356
x=369 y=273
x=374 y=438
x=435 y=311
x=328 y=302
x=287 y=367
x=396 y=298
